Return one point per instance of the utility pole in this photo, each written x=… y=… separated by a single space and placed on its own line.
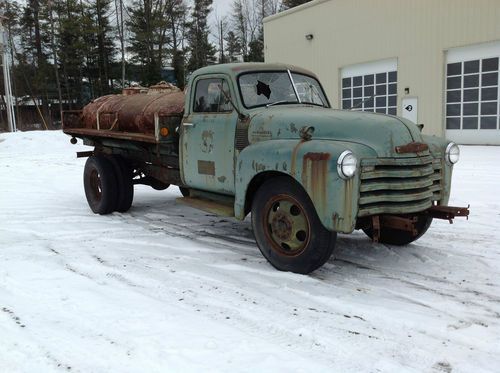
x=4 y=50
x=221 y=43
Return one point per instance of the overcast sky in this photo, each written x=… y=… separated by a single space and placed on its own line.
x=222 y=6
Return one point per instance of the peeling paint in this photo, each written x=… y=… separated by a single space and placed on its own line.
x=259 y=167
x=293 y=169
x=315 y=178
x=207 y=138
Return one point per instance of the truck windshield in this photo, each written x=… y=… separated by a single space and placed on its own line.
x=280 y=87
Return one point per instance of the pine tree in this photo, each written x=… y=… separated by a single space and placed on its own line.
x=202 y=52
x=103 y=49
x=240 y=22
x=72 y=48
x=176 y=15
x=293 y=3
x=233 y=47
x=256 y=50
x=34 y=56
x=149 y=39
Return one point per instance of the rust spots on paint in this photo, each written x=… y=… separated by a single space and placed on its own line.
x=293 y=167
x=315 y=178
x=412 y=147
x=258 y=167
x=348 y=199
x=317 y=156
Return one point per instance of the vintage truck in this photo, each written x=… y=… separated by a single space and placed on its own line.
x=263 y=139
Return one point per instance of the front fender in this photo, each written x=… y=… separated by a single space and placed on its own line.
x=313 y=164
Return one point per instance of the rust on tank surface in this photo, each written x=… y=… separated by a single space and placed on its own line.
x=134 y=90
x=315 y=177
x=134 y=111
x=162 y=87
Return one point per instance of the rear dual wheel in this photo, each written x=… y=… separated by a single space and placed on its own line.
x=108 y=184
x=287 y=228
x=125 y=188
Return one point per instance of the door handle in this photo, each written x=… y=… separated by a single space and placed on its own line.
x=188 y=124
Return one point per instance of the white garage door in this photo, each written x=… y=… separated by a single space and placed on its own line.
x=371 y=86
x=472 y=94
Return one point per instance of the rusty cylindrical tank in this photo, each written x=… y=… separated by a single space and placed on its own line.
x=134 y=110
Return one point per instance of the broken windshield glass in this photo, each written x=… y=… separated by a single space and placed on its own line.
x=263 y=88
x=309 y=90
x=274 y=88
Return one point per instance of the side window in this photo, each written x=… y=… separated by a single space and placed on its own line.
x=209 y=98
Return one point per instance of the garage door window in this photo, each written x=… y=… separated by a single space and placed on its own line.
x=375 y=92
x=472 y=94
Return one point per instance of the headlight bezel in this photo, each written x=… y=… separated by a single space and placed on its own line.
x=448 y=153
x=344 y=157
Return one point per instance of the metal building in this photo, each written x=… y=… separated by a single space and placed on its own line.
x=435 y=62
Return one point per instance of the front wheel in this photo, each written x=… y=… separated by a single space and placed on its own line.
x=393 y=236
x=287 y=228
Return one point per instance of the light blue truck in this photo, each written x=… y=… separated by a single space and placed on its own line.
x=263 y=139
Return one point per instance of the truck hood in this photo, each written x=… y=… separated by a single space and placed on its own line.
x=380 y=132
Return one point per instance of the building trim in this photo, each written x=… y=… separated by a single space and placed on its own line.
x=294 y=10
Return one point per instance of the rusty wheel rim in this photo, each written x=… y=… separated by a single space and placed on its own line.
x=95 y=184
x=286 y=225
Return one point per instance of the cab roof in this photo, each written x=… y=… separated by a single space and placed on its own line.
x=234 y=69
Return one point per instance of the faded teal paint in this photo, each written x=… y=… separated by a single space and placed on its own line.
x=209 y=138
x=380 y=132
x=337 y=210
x=209 y=159
x=275 y=145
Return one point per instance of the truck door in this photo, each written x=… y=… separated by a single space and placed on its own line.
x=207 y=136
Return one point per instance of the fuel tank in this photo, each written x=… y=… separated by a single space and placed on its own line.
x=137 y=110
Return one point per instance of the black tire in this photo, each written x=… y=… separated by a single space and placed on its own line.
x=100 y=185
x=184 y=191
x=125 y=184
x=398 y=237
x=287 y=228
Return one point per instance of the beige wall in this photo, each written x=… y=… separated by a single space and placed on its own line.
x=416 y=32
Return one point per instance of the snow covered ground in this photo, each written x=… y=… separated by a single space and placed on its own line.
x=169 y=288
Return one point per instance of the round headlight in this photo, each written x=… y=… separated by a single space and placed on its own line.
x=452 y=153
x=347 y=164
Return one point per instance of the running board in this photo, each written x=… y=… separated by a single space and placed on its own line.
x=217 y=208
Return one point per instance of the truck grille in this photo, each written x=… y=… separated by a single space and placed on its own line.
x=398 y=186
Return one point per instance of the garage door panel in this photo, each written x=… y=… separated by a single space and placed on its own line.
x=472 y=104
